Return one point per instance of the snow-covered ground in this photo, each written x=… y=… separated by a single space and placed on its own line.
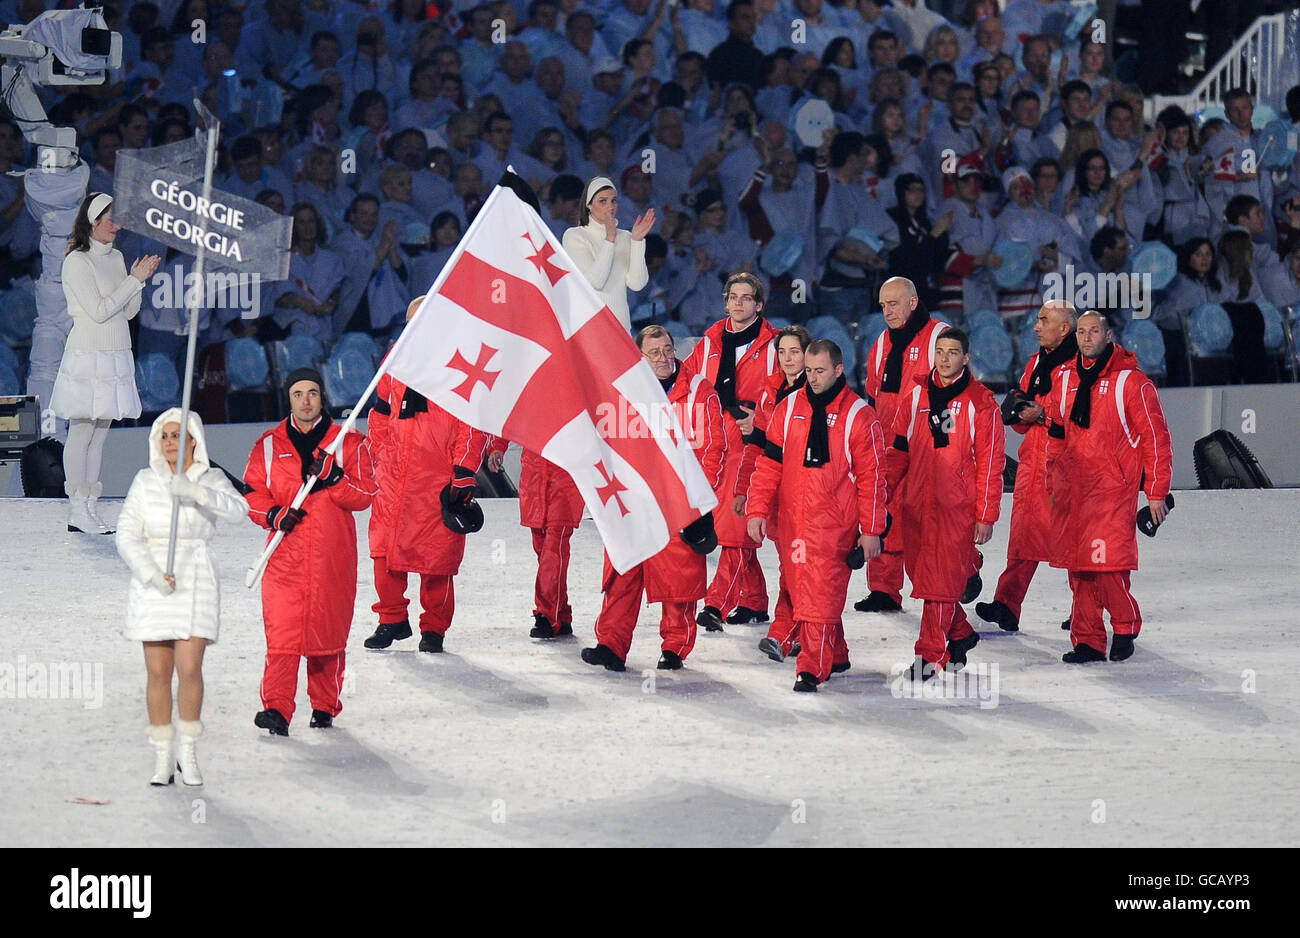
x=510 y=741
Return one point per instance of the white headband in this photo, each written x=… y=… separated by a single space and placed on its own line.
x=600 y=182
x=97 y=206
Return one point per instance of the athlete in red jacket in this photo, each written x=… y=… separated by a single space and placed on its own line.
x=1030 y=509
x=550 y=506
x=420 y=451
x=902 y=355
x=949 y=444
x=823 y=473
x=1107 y=430
x=736 y=355
x=791 y=344
x=675 y=576
x=310 y=584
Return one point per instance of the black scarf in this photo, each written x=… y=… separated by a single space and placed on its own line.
x=940 y=398
x=1040 y=381
x=1081 y=412
x=413 y=402
x=725 y=384
x=787 y=389
x=671 y=380
x=899 y=339
x=307 y=443
x=818 y=450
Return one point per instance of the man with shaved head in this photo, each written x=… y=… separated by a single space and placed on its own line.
x=1024 y=412
x=1106 y=437
x=902 y=355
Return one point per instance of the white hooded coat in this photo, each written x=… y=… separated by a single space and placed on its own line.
x=193 y=608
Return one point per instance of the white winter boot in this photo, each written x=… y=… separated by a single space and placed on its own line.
x=78 y=518
x=161 y=738
x=186 y=758
x=92 y=509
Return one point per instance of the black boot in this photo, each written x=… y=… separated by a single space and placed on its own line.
x=1065 y=626
x=430 y=642
x=743 y=615
x=998 y=612
x=272 y=720
x=566 y=628
x=841 y=667
x=772 y=648
x=389 y=632
x=1121 y=647
x=321 y=720
x=973 y=587
x=877 y=601
x=806 y=683
x=542 y=627
x=603 y=655
x=669 y=661
x=957 y=650
x=710 y=619
x=1083 y=654
x=921 y=670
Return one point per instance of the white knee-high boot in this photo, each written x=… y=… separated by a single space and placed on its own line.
x=79 y=519
x=186 y=757
x=93 y=491
x=161 y=738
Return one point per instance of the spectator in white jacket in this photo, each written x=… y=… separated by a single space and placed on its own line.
x=612 y=259
x=176 y=615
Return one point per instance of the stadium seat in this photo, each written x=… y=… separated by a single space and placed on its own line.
x=678 y=329
x=17 y=313
x=991 y=354
x=9 y=380
x=360 y=342
x=1026 y=341
x=9 y=357
x=830 y=327
x=157 y=382
x=778 y=322
x=1142 y=337
x=870 y=328
x=982 y=317
x=683 y=347
x=296 y=351
x=246 y=365
x=1274 y=338
x=1209 y=330
x=348 y=371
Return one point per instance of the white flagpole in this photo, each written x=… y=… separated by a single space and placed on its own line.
x=192 y=306
x=254 y=573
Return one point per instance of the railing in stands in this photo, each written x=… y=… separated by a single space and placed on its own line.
x=1254 y=61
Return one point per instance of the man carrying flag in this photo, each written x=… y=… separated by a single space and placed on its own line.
x=737 y=356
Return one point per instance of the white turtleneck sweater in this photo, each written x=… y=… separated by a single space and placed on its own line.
x=101 y=297
x=612 y=268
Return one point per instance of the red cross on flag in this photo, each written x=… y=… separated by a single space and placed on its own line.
x=514 y=341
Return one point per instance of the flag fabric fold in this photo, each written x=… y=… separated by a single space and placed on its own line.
x=514 y=341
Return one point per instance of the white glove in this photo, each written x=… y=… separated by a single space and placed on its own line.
x=159 y=582
x=188 y=491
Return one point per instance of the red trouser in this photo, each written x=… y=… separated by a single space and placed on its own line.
x=551 y=590
x=821 y=644
x=783 y=630
x=324 y=681
x=941 y=622
x=437 y=598
x=621 y=606
x=1014 y=583
x=885 y=573
x=738 y=581
x=1093 y=592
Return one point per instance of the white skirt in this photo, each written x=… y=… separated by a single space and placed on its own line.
x=96 y=384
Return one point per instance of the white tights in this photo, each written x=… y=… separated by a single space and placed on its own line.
x=84 y=451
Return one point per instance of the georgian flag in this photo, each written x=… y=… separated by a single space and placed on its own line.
x=514 y=341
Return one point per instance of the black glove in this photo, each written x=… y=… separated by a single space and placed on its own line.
x=857 y=558
x=1144 y=522
x=700 y=534
x=462 y=487
x=284 y=519
x=317 y=468
x=1011 y=405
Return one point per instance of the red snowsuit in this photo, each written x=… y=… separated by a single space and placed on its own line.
x=676 y=576
x=417 y=447
x=310 y=584
x=1093 y=477
x=738 y=580
x=782 y=629
x=550 y=506
x=949 y=490
x=885 y=573
x=824 y=508
x=1031 y=512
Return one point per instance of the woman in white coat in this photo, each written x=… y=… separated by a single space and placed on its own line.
x=96 y=380
x=176 y=615
x=612 y=259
